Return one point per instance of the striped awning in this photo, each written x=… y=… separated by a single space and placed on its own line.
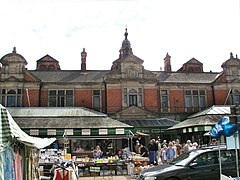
x=10 y=132
x=86 y=132
x=5 y=133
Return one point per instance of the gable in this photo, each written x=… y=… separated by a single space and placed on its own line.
x=132 y=59
x=193 y=61
x=12 y=79
x=48 y=63
x=47 y=58
x=134 y=112
x=221 y=78
x=29 y=77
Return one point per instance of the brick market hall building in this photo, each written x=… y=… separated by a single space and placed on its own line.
x=103 y=106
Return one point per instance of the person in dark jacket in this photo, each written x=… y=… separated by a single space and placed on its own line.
x=153 y=148
x=143 y=150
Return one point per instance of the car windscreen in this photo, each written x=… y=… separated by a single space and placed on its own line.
x=184 y=159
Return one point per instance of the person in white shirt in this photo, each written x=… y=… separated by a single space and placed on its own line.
x=187 y=147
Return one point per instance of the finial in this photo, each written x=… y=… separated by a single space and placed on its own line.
x=236 y=56
x=231 y=55
x=84 y=53
x=14 y=50
x=167 y=55
x=126 y=34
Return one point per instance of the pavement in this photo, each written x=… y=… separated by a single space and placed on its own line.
x=108 y=178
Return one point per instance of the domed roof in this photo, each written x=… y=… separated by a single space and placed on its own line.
x=126 y=43
x=126 y=47
x=8 y=58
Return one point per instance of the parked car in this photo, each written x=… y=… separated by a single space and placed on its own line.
x=198 y=164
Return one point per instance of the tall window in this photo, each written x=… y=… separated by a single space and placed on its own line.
x=11 y=97
x=195 y=100
x=164 y=100
x=60 y=98
x=235 y=96
x=97 y=100
x=133 y=97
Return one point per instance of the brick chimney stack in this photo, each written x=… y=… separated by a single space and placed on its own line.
x=167 y=64
x=83 y=59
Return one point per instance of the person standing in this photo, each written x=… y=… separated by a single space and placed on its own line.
x=159 y=153
x=195 y=145
x=137 y=146
x=178 y=148
x=187 y=147
x=163 y=152
x=152 y=151
x=170 y=152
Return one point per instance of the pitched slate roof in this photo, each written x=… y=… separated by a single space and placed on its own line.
x=209 y=116
x=63 y=76
x=63 y=117
x=175 y=77
x=214 y=110
x=78 y=76
x=54 y=112
x=158 y=122
x=207 y=120
x=69 y=123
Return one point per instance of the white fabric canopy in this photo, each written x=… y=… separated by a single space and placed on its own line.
x=10 y=131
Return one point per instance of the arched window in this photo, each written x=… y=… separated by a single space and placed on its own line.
x=11 y=97
x=132 y=97
x=51 y=67
x=42 y=67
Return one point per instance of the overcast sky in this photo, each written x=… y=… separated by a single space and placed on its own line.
x=207 y=30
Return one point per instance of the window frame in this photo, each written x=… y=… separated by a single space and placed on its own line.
x=132 y=96
x=11 y=96
x=62 y=97
x=97 y=96
x=164 y=108
x=235 y=96
x=195 y=100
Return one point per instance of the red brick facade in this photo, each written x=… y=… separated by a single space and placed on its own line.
x=126 y=84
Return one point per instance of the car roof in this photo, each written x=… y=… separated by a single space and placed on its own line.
x=210 y=148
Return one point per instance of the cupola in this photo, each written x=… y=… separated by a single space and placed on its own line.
x=13 y=65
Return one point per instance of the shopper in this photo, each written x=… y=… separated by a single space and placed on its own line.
x=163 y=152
x=195 y=145
x=97 y=153
x=178 y=147
x=187 y=147
x=143 y=150
x=170 y=152
x=152 y=147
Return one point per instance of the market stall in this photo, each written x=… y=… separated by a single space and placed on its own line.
x=122 y=163
x=18 y=150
